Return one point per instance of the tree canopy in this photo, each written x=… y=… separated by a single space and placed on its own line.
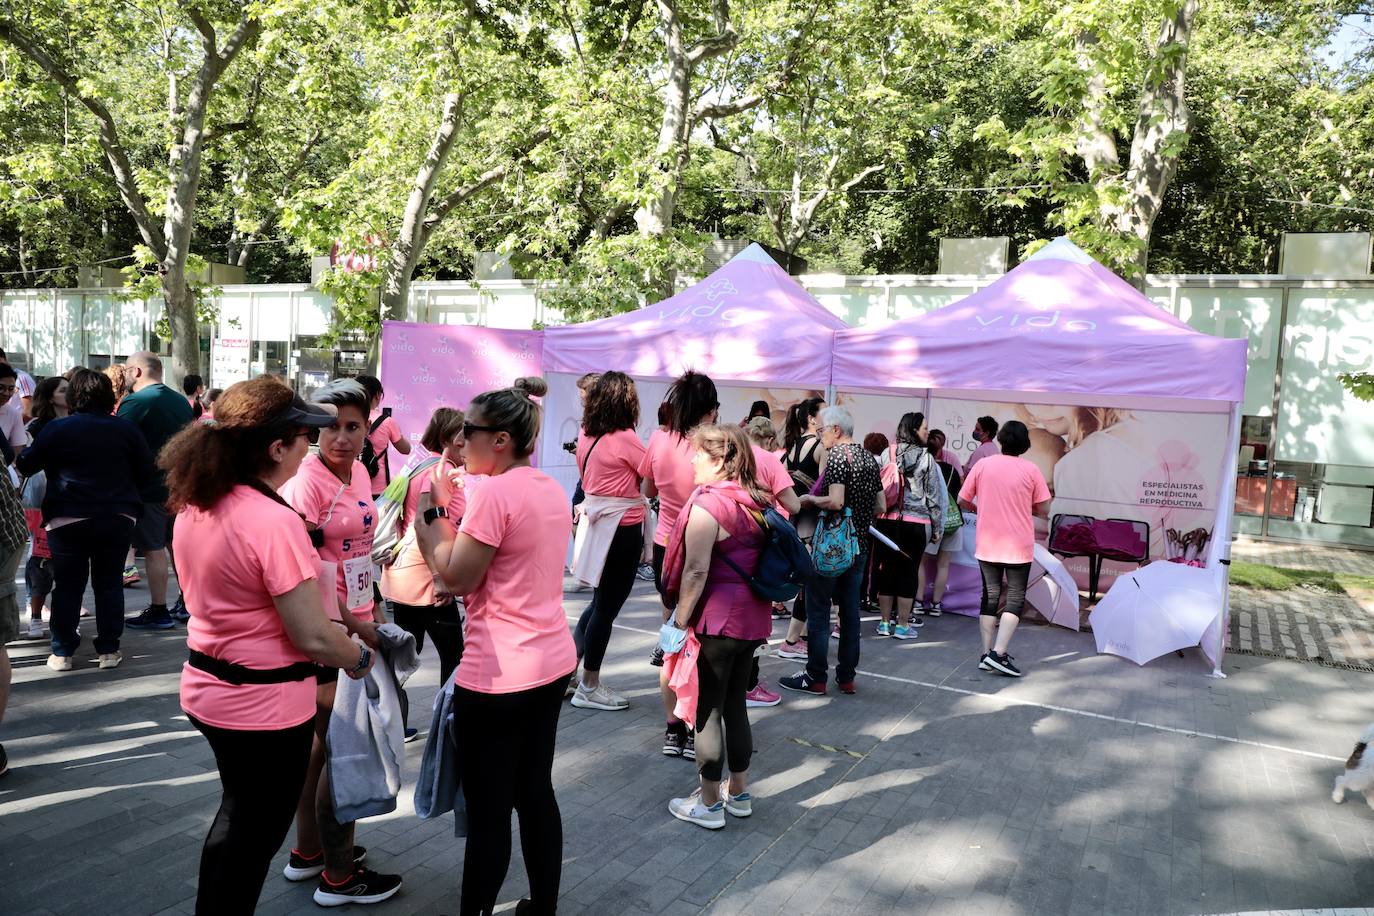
x=602 y=142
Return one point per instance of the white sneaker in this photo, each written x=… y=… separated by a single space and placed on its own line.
x=691 y=810
x=598 y=697
x=111 y=660
x=60 y=662
x=35 y=628
x=741 y=805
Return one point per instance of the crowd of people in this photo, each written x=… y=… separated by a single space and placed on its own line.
x=299 y=546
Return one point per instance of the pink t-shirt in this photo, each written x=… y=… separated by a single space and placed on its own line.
x=231 y=561
x=348 y=518
x=517 y=634
x=772 y=475
x=381 y=438
x=1005 y=489
x=409 y=580
x=613 y=469
x=668 y=463
x=981 y=452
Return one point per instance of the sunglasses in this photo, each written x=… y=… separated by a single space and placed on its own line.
x=470 y=428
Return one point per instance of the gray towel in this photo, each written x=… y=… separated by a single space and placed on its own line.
x=366 y=737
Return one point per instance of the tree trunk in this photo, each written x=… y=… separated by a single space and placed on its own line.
x=656 y=217
x=180 y=303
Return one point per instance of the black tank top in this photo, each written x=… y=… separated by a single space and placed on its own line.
x=802 y=458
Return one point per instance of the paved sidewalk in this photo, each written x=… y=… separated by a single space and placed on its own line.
x=1305 y=556
x=1091 y=786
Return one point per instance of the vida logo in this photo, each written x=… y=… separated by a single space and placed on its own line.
x=402 y=345
x=423 y=377
x=1037 y=321
x=462 y=378
x=442 y=348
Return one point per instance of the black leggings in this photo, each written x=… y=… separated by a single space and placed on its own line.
x=443 y=626
x=894 y=574
x=505 y=761
x=254 y=812
x=1017 y=575
x=723 y=677
x=593 y=632
x=660 y=553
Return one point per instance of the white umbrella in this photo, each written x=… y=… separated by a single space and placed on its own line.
x=1052 y=590
x=1156 y=610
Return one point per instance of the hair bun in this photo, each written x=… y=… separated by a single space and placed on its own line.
x=533 y=386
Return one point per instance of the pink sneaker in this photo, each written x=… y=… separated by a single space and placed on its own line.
x=761 y=696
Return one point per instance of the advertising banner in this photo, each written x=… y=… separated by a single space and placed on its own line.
x=424 y=367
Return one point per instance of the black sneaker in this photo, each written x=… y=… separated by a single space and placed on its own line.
x=689 y=750
x=363 y=886
x=675 y=742
x=151 y=619
x=412 y=734
x=299 y=868
x=1002 y=665
x=983 y=662
x=178 y=611
x=801 y=682
x=914 y=621
x=657 y=658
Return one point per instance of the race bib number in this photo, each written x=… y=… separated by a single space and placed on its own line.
x=357 y=574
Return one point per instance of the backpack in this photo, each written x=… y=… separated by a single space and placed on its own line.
x=370 y=457
x=954 y=519
x=891 y=478
x=784 y=565
x=387 y=537
x=834 y=547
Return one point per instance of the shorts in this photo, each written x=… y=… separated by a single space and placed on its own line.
x=38 y=577
x=951 y=542
x=154 y=528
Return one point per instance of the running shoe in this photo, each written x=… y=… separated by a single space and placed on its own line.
x=301 y=868
x=110 y=659
x=793 y=649
x=983 y=662
x=935 y=610
x=363 y=886
x=914 y=621
x=885 y=629
x=741 y=805
x=35 y=628
x=675 y=742
x=802 y=682
x=692 y=810
x=178 y=611
x=847 y=687
x=907 y=632
x=645 y=572
x=151 y=620
x=761 y=696
x=689 y=750
x=656 y=659
x=411 y=734
x=835 y=630
x=131 y=576
x=60 y=662
x=598 y=697
x=781 y=611
x=1002 y=665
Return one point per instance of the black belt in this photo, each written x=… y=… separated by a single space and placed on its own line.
x=231 y=673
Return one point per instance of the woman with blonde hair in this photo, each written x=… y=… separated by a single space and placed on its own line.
x=506 y=558
x=716 y=535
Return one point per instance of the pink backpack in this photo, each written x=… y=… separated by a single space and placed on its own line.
x=892 y=480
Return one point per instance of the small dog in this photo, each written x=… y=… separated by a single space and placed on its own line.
x=1359 y=771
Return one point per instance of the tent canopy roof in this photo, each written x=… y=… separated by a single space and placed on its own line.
x=747 y=322
x=1057 y=323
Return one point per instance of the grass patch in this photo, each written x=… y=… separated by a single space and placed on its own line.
x=1281 y=578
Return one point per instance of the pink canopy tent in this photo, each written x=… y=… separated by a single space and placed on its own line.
x=1059 y=323
x=1060 y=329
x=747 y=322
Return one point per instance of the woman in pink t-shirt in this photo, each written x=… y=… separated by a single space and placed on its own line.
x=1005 y=490
x=718 y=539
x=668 y=474
x=248 y=572
x=419 y=603
x=608 y=458
x=384 y=433
x=331 y=491
x=507 y=559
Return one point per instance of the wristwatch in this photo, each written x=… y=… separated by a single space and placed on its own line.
x=364 y=656
x=434 y=512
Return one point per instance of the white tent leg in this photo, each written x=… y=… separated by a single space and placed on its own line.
x=1219 y=552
